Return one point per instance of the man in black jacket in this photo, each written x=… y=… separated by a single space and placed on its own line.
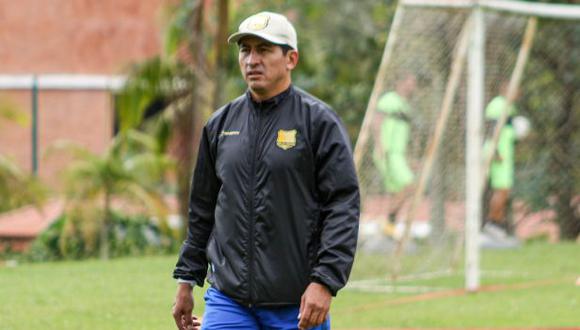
x=274 y=202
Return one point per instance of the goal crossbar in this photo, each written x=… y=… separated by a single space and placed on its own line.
x=560 y=11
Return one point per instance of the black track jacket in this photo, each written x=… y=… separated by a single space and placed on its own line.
x=274 y=201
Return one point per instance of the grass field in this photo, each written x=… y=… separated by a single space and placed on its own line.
x=530 y=287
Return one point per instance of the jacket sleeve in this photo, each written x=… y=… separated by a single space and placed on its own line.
x=339 y=201
x=192 y=263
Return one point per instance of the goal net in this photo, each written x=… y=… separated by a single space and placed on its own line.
x=411 y=152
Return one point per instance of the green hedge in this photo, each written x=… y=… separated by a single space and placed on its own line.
x=128 y=236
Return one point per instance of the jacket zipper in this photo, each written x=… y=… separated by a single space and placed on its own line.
x=252 y=196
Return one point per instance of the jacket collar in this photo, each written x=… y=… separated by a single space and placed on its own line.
x=271 y=102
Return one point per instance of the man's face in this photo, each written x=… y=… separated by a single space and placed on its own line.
x=264 y=66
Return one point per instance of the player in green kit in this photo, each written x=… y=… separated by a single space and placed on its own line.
x=392 y=134
x=501 y=174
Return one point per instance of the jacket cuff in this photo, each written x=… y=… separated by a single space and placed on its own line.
x=182 y=276
x=180 y=280
x=320 y=280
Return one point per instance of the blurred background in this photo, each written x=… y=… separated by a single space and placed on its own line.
x=102 y=104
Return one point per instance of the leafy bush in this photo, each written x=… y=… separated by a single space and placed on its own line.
x=129 y=236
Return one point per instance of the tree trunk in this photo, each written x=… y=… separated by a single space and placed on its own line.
x=563 y=167
x=221 y=43
x=104 y=235
x=184 y=154
x=187 y=141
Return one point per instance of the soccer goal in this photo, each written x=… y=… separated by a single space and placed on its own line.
x=420 y=154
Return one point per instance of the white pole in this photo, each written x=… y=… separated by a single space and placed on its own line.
x=473 y=152
x=438 y=3
x=62 y=82
x=546 y=10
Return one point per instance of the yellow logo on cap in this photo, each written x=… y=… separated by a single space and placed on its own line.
x=286 y=139
x=258 y=22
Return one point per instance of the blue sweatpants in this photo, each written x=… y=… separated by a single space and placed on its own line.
x=222 y=313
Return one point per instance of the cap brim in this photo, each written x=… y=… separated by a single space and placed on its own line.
x=234 y=38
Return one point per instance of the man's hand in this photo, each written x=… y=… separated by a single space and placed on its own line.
x=314 y=306
x=183 y=307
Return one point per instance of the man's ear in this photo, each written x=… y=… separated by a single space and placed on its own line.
x=292 y=57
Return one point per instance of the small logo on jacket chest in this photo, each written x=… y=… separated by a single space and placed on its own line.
x=286 y=139
x=229 y=133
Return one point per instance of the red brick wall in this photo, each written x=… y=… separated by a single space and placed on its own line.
x=72 y=37
x=77 y=36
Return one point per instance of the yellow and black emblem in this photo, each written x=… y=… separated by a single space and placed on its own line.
x=258 y=22
x=286 y=139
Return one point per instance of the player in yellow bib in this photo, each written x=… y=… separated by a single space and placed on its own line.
x=502 y=167
x=392 y=134
x=501 y=173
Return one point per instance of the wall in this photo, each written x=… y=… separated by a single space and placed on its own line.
x=72 y=37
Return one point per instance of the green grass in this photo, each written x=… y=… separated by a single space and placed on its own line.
x=137 y=293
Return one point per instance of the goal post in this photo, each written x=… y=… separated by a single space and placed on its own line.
x=474 y=134
x=436 y=127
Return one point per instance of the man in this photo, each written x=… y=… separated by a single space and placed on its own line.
x=274 y=200
x=501 y=174
x=392 y=137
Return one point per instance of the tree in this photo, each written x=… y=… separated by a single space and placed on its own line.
x=17 y=188
x=130 y=170
x=185 y=79
x=550 y=92
x=339 y=52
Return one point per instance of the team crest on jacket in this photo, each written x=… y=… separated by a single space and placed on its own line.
x=286 y=139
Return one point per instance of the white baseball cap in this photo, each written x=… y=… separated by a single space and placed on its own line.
x=269 y=26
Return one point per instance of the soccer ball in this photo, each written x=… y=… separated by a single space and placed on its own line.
x=521 y=126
